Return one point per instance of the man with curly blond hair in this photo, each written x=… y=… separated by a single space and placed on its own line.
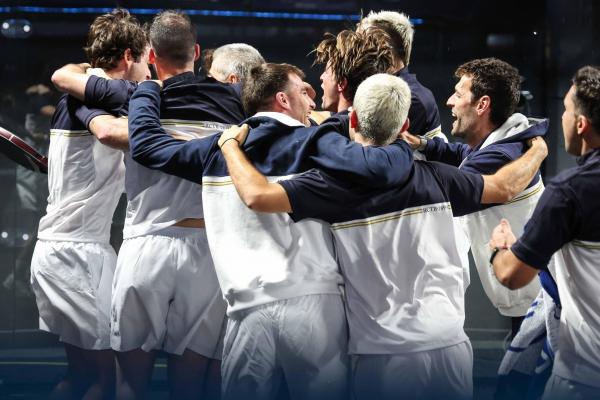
x=423 y=114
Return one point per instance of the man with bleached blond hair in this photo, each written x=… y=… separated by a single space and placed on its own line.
x=403 y=274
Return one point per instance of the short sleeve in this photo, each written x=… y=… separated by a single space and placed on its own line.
x=463 y=188
x=85 y=114
x=552 y=224
x=311 y=195
x=110 y=94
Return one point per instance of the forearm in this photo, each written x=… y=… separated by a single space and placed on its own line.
x=513 y=178
x=71 y=79
x=111 y=131
x=253 y=188
x=512 y=272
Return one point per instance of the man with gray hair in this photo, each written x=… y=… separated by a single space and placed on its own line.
x=231 y=63
x=423 y=114
x=405 y=299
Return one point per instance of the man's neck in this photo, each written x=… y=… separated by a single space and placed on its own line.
x=592 y=142
x=116 y=73
x=480 y=134
x=343 y=104
x=165 y=71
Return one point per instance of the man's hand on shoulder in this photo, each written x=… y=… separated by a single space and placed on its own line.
x=539 y=144
x=235 y=134
x=413 y=140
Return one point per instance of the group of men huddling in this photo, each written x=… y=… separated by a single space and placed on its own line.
x=271 y=250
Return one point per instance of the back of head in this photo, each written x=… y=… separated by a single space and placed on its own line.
x=354 y=56
x=381 y=104
x=263 y=83
x=237 y=59
x=587 y=94
x=173 y=38
x=397 y=26
x=110 y=35
x=497 y=79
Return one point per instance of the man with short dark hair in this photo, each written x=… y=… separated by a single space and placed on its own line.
x=483 y=105
x=404 y=275
x=280 y=279
x=563 y=238
x=73 y=263
x=166 y=294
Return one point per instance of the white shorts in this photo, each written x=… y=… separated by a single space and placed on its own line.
x=72 y=285
x=445 y=373
x=166 y=295
x=303 y=339
x=558 y=388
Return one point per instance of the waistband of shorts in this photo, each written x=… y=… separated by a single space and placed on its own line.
x=244 y=299
x=176 y=232
x=101 y=243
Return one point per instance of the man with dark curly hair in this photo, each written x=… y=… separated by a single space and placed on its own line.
x=563 y=238
x=483 y=107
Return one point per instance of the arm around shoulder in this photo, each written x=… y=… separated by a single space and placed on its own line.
x=514 y=177
x=71 y=79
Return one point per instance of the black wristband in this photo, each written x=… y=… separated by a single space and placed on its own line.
x=228 y=139
x=495 y=253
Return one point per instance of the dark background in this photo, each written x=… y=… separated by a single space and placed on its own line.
x=547 y=40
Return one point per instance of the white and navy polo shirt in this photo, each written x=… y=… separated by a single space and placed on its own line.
x=259 y=257
x=565 y=226
x=85 y=180
x=398 y=252
x=189 y=106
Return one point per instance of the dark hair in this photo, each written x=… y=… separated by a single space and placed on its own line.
x=587 y=94
x=110 y=35
x=497 y=79
x=354 y=56
x=173 y=37
x=263 y=83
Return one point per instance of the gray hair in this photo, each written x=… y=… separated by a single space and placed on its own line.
x=235 y=58
x=398 y=26
x=381 y=104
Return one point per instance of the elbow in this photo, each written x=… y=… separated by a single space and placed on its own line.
x=253 y=201
x=507 y=195
x=58 y=80
x=508 y=278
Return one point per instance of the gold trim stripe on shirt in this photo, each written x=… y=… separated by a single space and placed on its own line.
x=68 y=133
x=527 y=195
x=588 y=245
x=388 y=217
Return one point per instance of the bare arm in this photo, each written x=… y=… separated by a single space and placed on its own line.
x=254 y=189
x=71 y=79
x=513 y=178
x=509 y=270
x=110 y=131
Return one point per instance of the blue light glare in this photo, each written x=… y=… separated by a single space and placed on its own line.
x=206 y=13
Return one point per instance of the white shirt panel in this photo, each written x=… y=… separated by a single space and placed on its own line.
x=406 y=298
x=85 y=181
x=261 y=257
x=577 y=273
